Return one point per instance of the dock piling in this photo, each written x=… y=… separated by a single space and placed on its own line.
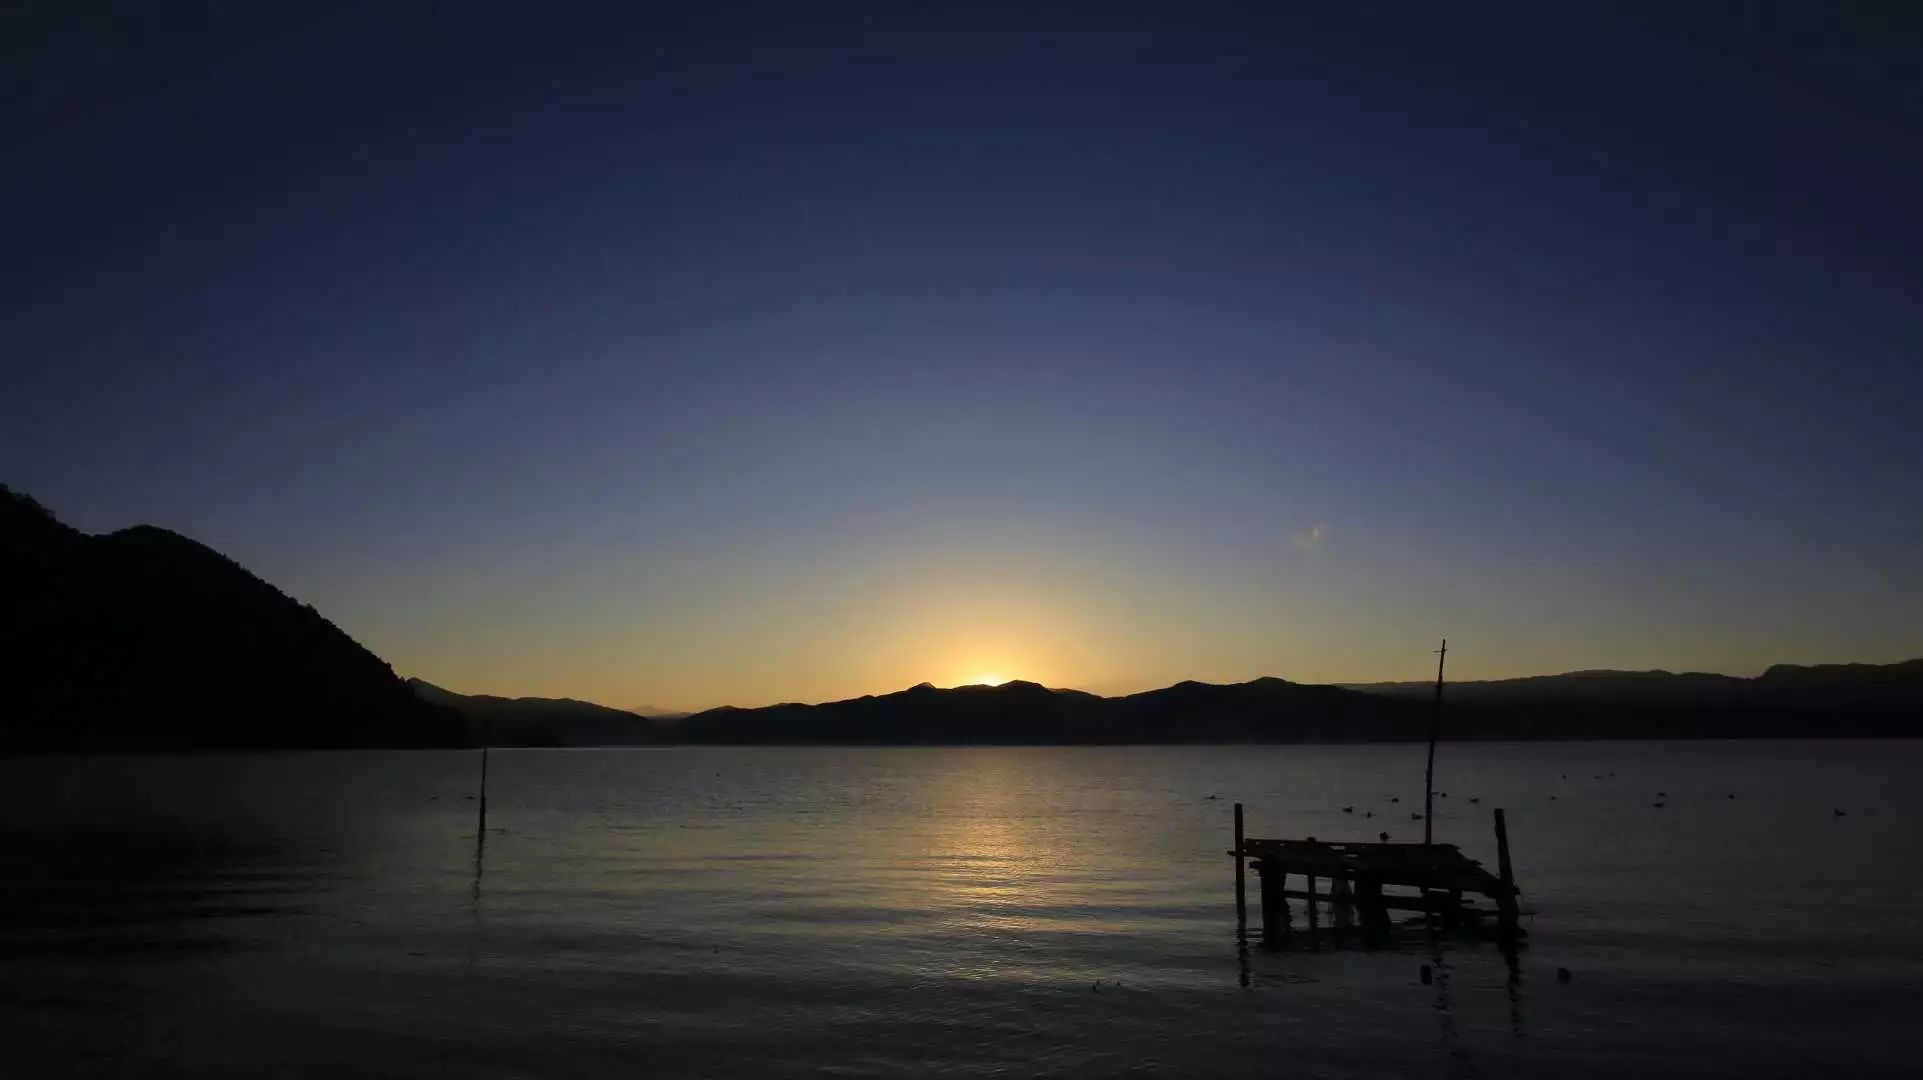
x=1341 y=904
x=1241 y=889
x=1275 y=906
x=1369 y=904
x=1315 y=921
x=1436 y=881
x=1506 y=902
x=1429 y=774
x=481 y=827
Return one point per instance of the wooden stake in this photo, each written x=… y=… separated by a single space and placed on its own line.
x=1315 y=919
x=1506 y=903
x=483 y=827
x=1341 y=903
x=480 y=832
x=1241 y=889
x=1435 y=728
x=1375 y=915
x=1275 y=907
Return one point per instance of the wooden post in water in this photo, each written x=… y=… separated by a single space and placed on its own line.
x=1506 y=903
x=1315 y=919
x=1275 y=906
x=1435 y=728
x=482 y=830
x=1375 y=917
x=1341 y=904
x=1241 y=889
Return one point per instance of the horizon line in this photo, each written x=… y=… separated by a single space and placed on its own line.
x=676 y=712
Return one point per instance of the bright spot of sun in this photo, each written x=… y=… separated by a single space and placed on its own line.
x=988 y=680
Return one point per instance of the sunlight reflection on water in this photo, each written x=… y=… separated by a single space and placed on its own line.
x=959 y=911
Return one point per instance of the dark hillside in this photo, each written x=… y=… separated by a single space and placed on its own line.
x=145 y=639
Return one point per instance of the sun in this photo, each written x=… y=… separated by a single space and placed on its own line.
x=987 y=680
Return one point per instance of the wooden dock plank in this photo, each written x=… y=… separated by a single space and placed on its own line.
x=1437 y=866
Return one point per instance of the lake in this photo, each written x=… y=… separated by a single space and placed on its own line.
x=954 y=912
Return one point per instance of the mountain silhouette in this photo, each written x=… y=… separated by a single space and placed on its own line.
x=143 y=639
x=1786 y=700
x=537 y=721
x=1266 y=710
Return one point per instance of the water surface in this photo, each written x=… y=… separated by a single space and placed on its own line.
x=974 y=911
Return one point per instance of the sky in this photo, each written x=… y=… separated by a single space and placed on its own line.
x=742 y=353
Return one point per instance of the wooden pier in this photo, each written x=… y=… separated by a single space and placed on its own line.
x=1362 y=880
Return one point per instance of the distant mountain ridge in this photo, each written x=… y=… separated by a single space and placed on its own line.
x=536 y=721
x=143 y=639
x=1788 y=700
x=1781 y=684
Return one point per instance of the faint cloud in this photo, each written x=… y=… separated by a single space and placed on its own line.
x=1310 y=538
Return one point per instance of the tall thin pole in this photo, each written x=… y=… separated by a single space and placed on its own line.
x=480 y=833
x=482 y=829
x=1435 y=728
x=1241 y=893
x=1506 y=903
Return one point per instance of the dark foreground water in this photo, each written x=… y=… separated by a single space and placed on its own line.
x=890 y=912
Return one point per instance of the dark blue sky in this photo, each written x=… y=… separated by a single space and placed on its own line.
x=754 y=354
